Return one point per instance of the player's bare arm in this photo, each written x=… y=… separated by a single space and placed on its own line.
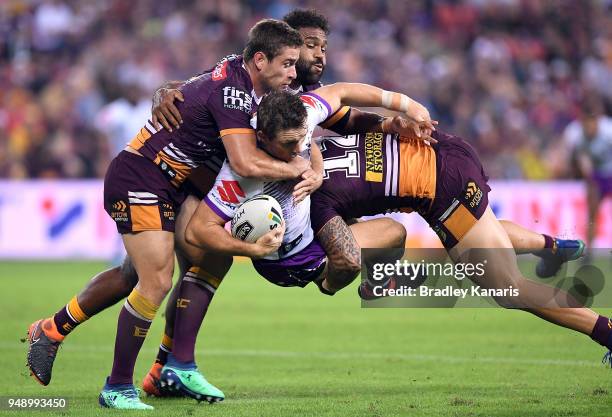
x=355 y=94
x=248 y=161
x=206 y=230
x=343 y=254
x=163 y=110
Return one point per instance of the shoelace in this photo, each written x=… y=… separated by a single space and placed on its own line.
x=607 y=359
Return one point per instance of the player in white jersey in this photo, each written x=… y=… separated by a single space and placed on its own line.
x=589 y=139
x=284 y=135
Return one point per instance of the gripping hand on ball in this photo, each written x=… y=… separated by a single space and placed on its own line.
x=269 y=243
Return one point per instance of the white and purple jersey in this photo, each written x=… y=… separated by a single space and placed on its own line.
x=230 y=189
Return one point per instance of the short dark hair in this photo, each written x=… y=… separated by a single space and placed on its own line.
x=270 y=36
x=280 y=110
x=302 y=18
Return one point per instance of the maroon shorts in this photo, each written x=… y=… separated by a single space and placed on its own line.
x=461 y=190
x=139 y=197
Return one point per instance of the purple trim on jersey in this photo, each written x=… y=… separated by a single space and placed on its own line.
x=318 y=97
x=216 y=209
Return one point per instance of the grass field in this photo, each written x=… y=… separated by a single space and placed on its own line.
x=293 y=352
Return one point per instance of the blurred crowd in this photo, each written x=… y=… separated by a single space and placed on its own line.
x=77 y=77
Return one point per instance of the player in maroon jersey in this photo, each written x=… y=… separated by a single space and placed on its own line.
x=445 y=184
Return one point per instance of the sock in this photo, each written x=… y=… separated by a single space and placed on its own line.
x=549 y=242
x=165 y=347
x=132 y=328
x=68 y=318
x=602 y=332
x=196 y=293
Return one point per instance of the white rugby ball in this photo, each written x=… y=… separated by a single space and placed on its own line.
x=256 y=217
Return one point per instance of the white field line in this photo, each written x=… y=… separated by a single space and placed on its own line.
x=279 y=354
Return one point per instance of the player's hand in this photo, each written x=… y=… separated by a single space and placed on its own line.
x=269 y=243
x=420 y=114
x=164 y=111
x=410 y=128
x=300 y=165
x=311 y=181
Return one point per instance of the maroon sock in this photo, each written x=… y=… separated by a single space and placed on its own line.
x=132 y=328
x=549 y=242
x=69 y=317
x=602 y=332
x=191 y=307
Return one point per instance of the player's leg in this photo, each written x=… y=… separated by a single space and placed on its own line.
x=502 y=271
x=201 y=275
x=101 y=292
x=553 y=251
x=385 y=240
x=152 y=253
x=593 y=202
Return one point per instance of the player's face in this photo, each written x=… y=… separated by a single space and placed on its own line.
x=280 y=71
x=312 y=60
x=286 y=145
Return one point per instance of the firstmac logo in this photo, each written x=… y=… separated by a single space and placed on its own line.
x=234 y=98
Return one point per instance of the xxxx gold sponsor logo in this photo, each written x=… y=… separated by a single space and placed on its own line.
x=182 y=303
x=140 y=332
x=473 y=194
x=374 y=157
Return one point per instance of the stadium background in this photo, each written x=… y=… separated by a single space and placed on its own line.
x=76 y=79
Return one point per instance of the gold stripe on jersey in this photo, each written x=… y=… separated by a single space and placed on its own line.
x=237 y=131
x=138 y=141
x=335 y=117
x=417 y=177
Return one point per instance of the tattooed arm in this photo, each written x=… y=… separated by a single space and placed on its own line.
x=343 y=255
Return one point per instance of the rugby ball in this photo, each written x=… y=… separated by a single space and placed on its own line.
x=256 y=217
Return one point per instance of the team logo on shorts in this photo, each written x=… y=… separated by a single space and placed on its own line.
x=244 y=230
x=473 y=195
x=119 y=213
x=168 y=211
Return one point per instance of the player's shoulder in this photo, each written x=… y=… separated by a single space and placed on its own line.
x=230 y=70
x=315 y=102
x=311 y=87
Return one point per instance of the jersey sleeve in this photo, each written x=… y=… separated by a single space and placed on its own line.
x=337 y=121
x=317 y=108
x=226 y=194
x=230 y=106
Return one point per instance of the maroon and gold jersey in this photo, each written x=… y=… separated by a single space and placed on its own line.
x=217 y=103
x=373 y=173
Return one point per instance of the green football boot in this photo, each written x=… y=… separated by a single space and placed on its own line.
x=122 y=397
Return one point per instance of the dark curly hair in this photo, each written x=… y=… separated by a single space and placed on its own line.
x=302 y=18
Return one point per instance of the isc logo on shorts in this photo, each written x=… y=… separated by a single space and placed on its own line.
x=236 y=99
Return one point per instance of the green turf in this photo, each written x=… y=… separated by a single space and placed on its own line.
x=290 y=352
